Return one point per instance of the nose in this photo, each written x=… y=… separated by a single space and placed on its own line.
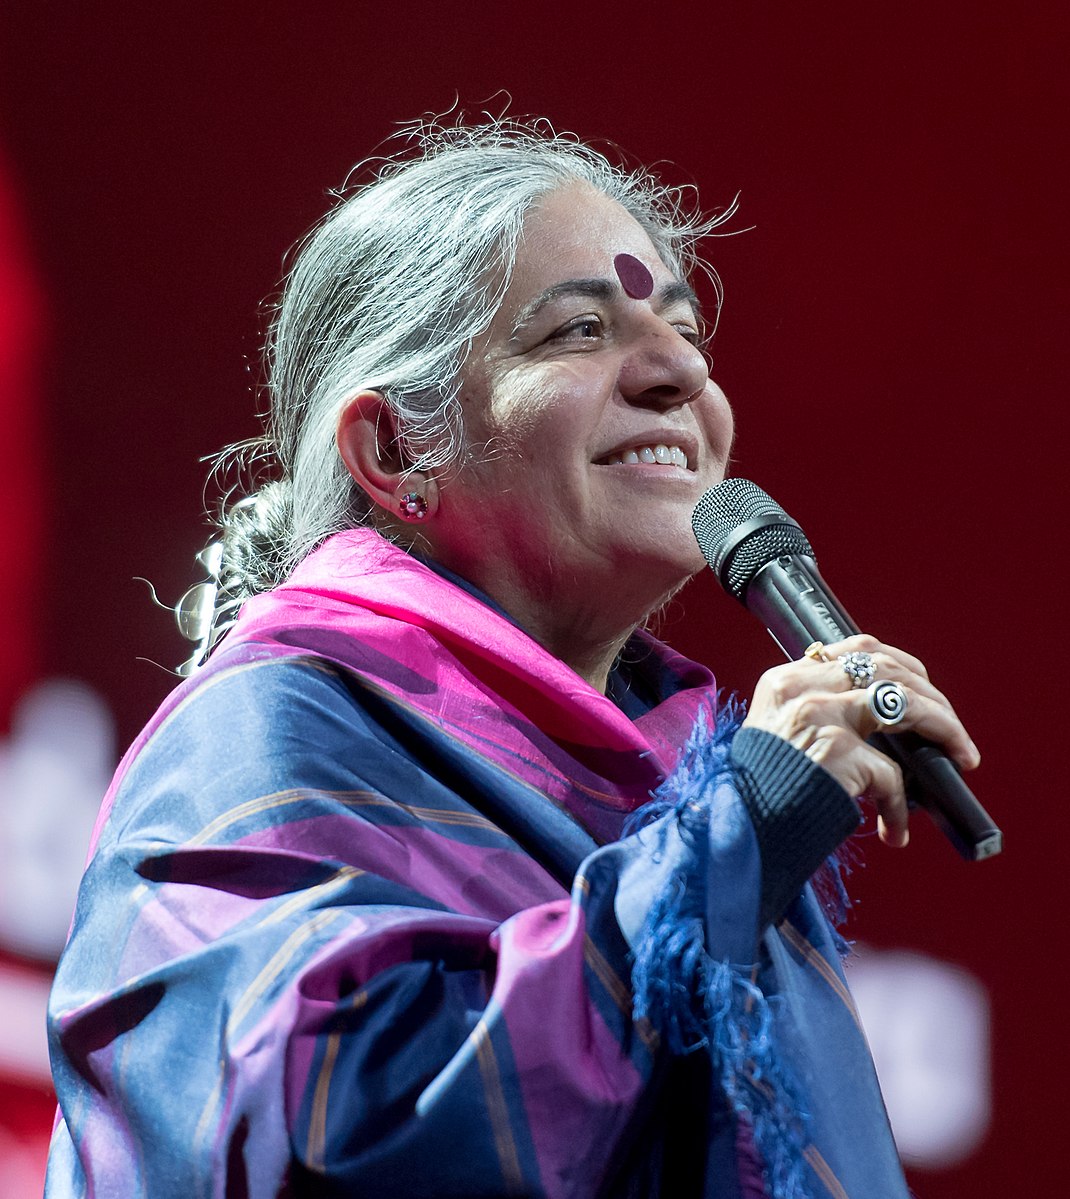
x=662 y=369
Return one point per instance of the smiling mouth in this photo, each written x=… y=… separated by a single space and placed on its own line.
x=653 y=455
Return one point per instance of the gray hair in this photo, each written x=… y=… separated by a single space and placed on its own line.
x=389 y=292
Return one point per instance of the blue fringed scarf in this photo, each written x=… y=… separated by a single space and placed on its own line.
x=695 y=974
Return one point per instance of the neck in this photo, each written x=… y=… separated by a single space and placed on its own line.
x=585 y=636
x=592 y=662
x=584 y=624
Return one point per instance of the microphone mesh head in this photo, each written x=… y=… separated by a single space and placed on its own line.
x=735 y=553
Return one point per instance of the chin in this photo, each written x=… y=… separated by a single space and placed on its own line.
x=674 y=553
x=657 y=573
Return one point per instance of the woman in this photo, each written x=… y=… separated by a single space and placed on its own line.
x=363 y=915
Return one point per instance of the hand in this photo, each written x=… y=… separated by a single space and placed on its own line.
x=813 y=705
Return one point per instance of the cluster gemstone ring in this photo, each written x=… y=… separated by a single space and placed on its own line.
x=859 y=667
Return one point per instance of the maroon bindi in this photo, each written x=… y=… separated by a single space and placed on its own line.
x=636 y=280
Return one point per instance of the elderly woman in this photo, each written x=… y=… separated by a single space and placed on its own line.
x=370 y=910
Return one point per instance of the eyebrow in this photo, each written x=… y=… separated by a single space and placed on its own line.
x=603 y=289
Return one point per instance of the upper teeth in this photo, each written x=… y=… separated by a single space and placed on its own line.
x=667 y=455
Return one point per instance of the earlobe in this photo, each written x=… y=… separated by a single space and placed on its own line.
x=367 y=439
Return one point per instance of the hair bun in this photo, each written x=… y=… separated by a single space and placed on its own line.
x=256 y=540
x=251 y=556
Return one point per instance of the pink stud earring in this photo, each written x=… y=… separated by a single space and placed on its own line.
x=412 y=506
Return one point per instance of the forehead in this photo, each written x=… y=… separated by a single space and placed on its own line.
x=577 y=232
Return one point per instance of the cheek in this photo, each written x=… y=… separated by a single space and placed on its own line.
x=718 y=423
x=525 y=413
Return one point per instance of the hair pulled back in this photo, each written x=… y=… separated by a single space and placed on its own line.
x=388 y=292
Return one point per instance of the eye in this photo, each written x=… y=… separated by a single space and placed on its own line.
x=582 y=328
x=687 y=322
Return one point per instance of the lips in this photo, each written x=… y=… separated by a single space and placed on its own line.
x=648 y=453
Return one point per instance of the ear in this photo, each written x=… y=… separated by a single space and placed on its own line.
x=367 y=438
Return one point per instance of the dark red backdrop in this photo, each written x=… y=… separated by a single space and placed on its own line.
x=893 y=341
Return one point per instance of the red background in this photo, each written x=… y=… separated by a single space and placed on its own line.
x=893 y=341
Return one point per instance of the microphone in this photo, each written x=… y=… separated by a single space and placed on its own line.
x=762 y=557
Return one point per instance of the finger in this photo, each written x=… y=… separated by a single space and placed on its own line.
x=886 y=665
x=863 y=772
x=888 y=794
x=866 y=643
x=934 y=721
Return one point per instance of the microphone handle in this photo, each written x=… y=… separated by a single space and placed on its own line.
x=797 y=607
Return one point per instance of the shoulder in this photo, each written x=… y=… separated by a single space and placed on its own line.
x=255 y=693
x=250 y=725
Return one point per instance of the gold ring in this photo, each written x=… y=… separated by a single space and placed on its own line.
x=816 y=651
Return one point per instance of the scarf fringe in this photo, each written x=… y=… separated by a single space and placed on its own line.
x=698 y=1003
x=830 y=889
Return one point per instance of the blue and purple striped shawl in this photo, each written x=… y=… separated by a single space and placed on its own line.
x=358 y=921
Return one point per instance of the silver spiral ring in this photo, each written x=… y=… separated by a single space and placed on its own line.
x=887 y=701
x=859 y=667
